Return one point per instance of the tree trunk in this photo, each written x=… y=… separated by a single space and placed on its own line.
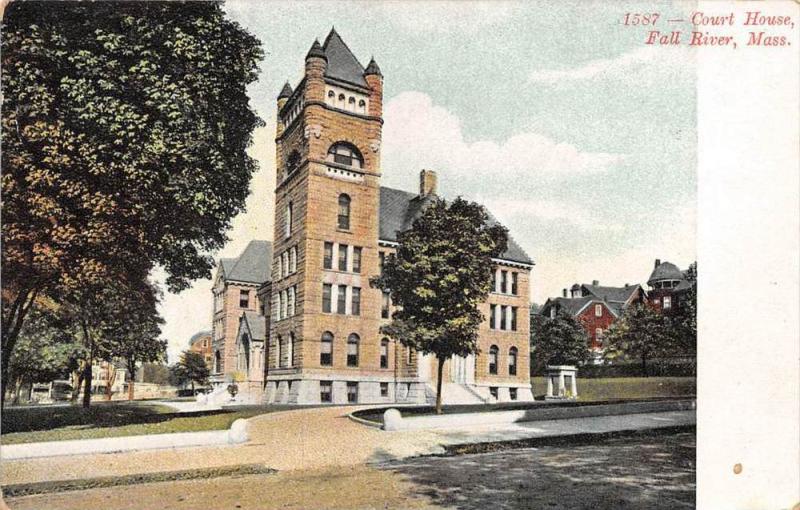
x=192 y=387
x=17 y=390
x=87 y=383
x=644 y=365
x=439 y=370
x=131 y=378
x=111 y=377
x=12 y=321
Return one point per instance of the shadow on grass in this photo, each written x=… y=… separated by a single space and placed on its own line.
x=623 y=473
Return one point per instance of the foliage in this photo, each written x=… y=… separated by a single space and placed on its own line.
x=124 y=128
x=683 y=321
x=641 y=333
x=155 y=373
x=439 y=277
x=558 y=341
x=190 y=369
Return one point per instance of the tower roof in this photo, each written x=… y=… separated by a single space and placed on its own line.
x=665 y=271
x=286 y=91
x=342 y=64
x=316 y=51
x=372 y=68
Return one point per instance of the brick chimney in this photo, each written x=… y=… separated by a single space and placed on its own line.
x=427 y=183
x=658 y=263
x=595 y=282
x=565 y=292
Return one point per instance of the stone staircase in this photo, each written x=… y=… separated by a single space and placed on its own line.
x=454 y=393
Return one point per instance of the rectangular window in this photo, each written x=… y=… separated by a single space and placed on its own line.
x=504 y=282
x=285 y=305
x=285 y=261
x=356 y=259
x=493 y=392
x=503 y=314
x=384 y=389
x=293 y=260
x=512 y=393
x=494 y=280
x=326 y=351
x=514 y=283
x=325 y=391
x=326 y=297
x=385 y=303
x=513 y=318
x=341 y=299
x=667 y=302
x=277 y=306
x=288 y=225
x=598 y=336
x=384 y=354
x=381 y=261
x=327 y=257
x=291 y=301
x=244 y=299
x=493 y=317
x=598 y=310
x=352 y=352
x=352 y=392
x=355 y=301
x=342 y=257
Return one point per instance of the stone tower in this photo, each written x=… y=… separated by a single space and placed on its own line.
x=327 y=193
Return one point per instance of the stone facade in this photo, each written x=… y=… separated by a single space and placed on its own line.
x=314 y=353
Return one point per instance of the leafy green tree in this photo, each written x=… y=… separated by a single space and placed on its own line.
x=641 y=334
x=438 y=279
x=125 y=127
x=558 y=341
x=683 y=322
x=190 y=369
x=155 y=373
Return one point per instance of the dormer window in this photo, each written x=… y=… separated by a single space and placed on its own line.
x=345 y=154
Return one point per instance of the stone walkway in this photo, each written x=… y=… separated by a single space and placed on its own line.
x=315 y=439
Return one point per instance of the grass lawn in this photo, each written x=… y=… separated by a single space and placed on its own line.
x=114 y=419
x=631 y=387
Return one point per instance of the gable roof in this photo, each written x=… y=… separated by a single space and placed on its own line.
x=256 y=325
x=617 y=297
x=399 y=209
x=574 y=306
x=665 y=271
x=252 y=266
x=342 y=64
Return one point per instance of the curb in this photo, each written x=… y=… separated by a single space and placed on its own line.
x=362 y=421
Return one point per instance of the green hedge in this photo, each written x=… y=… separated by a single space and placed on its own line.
x=656 y=368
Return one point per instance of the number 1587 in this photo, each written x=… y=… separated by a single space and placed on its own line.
x=640 y=19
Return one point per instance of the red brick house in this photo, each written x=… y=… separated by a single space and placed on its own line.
x=595 y=306
x=668 y=286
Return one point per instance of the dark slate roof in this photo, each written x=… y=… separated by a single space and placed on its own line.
x=569 y=305
x=372 y=68
x=197 y=336
x=256 y=323
x=252 y=266
x=665 y=271
x=342 y=64
x=399 y=209
x=286 y=91
x=316 y=51
x=615 y=296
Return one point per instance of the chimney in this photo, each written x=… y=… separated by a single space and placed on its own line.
x=595 y=282
x=658 y=263
x=565 y=292
x=427 y=183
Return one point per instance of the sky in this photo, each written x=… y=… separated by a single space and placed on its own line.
x=555 y=116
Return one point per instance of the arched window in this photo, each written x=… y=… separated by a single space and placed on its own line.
x=341 y=101
x=287 y=227
x=362 y=106
x=345 y=154
x=512 y=361
x=244 y=354
x=326 y=349
x=385 y=353
x=217 y=362
x=352 y=350
x=493 y=350
x=351 y=104
x=343 y=219
x=331 y=100
x=292 y=163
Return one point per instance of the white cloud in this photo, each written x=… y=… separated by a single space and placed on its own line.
x=510 y=212
x=645 y=65
x=444 y=17
x=419 y=134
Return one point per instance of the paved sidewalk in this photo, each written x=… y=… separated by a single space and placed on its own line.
x=315 y=439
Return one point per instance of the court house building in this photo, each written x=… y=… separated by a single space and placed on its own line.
x=310 y=331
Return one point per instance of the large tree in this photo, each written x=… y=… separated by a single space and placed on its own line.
x=439 y=277
x=190 y=369
x=640 y=334
x=561 y=340
x=125 y=127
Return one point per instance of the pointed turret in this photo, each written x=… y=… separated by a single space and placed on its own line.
x=316 y=51
x=286 y=91
x=372 y=68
